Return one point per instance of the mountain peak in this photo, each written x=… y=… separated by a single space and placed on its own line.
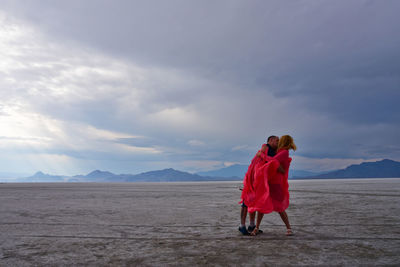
x=387 y=161
x=165 y=175
x=39 y=174
x=169 y=169
x=100 y=174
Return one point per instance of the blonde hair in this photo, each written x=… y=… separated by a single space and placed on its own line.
x=286 y=142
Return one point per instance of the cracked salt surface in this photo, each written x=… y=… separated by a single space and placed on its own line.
x=336 y=222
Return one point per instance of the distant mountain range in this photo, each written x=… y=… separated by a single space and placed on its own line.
x=239 y=171
x=380 y=169
x=166 y=175
x=43 y=177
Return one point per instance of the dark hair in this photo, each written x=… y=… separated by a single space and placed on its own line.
x=271 y=137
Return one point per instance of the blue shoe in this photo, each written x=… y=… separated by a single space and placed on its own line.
x=243 y=230
x=251 y=228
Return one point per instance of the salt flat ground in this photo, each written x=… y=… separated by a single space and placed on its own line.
x=336 y=222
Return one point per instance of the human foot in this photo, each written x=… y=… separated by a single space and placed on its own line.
x=243 y=230
x=289 y=232
x=255 y=232
x=251 y=229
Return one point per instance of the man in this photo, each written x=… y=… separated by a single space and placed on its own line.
x=267 y=150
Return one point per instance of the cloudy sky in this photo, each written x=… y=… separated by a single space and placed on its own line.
x=132 y=86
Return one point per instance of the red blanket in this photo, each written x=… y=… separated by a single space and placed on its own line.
x=264 y=188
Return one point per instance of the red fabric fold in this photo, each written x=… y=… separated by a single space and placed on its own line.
x=265 y=189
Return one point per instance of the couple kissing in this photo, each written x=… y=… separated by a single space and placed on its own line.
x=265 y=185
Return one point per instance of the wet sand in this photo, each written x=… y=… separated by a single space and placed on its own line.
x=336 y=222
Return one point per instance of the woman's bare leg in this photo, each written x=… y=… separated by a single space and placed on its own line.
x=285 y=219
x=259 y=219
x=252 y=218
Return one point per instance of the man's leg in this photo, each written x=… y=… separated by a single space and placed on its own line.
x=243 y=215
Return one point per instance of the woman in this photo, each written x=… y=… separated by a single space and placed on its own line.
x=271 y=186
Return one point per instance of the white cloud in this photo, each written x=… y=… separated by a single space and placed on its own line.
x=227 y=163
x=56 y=99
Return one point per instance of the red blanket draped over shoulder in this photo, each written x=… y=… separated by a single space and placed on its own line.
x=265 y=189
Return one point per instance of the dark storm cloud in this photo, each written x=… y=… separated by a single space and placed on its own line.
x=339 y=57
x=330 y=67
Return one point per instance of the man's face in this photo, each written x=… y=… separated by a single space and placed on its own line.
x=274 y=143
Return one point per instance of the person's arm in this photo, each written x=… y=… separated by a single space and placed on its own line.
x=282 y=156
x=261 y=152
